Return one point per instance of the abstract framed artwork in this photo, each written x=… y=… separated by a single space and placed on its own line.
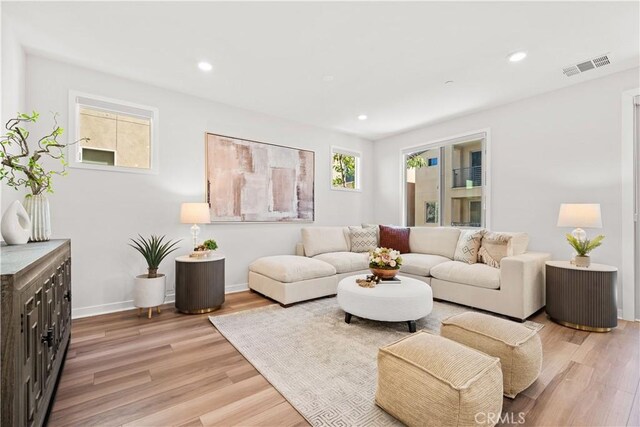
x=250 y=181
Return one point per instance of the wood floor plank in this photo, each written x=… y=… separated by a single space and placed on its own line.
x=177 y=370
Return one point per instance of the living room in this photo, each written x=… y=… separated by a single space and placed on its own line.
x=546 y=93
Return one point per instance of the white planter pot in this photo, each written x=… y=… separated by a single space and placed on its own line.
x=583 y=261
x=38 y=209
x=16 y=224
x=149 y=292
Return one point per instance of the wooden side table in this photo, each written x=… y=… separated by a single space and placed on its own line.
x=199 y=283
x=582 y=298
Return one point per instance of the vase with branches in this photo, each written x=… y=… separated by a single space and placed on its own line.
x=21 y=166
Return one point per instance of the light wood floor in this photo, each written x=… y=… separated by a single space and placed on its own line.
x=178 y=370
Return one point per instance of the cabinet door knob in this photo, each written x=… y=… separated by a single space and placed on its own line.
x=47 y=338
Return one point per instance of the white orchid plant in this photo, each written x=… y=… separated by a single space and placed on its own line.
x=385 y=258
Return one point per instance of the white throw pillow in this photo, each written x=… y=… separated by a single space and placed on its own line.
x=363 y=239
x=468 y=246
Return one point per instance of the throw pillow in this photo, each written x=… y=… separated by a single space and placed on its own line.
x=468 y=246
x=494 y=247
x=363 y=239
x=395 y=238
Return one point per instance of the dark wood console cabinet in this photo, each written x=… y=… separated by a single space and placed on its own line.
x=35 y=322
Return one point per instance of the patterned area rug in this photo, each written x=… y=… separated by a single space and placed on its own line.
x=323 y=366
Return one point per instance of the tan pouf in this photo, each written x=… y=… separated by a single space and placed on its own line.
x=518 y=347
x=425 y=379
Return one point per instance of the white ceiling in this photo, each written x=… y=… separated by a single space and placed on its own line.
x=389 y=60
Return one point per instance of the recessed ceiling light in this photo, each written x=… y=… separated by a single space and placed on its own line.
x=205 y=66
x=517 y=56
x=362 y=117
x=328 y=78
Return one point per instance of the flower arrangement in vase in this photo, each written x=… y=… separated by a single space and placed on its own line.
x=384 y=262
x=22 y=165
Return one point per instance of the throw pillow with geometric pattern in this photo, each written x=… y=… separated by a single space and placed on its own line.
x=468 y=246
x=363 y=239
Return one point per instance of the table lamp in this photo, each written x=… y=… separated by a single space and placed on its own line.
x=195 y=213
x=580 y=215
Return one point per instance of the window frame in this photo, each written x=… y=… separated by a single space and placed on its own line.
x=125 y=108
x=358 y=157
x=441 y=142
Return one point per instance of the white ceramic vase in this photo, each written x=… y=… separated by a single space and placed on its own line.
x=149 y=292
x=16 y=224
x=38 y=209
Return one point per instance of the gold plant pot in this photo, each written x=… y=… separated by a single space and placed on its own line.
x=384 y=273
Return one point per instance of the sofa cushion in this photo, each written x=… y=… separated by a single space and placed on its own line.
x=518 y=243
x=479 y=275
x=345 y=262
x=434 y=240
x=468 y=246
x=395 y=238
x=420 y=264
x=320 y=240
x=291 y=268
x=363 y=239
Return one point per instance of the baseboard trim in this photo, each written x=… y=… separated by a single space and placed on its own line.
x=114 y=307
x=239 y=287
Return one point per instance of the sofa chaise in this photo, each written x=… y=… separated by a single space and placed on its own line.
x=514 y=288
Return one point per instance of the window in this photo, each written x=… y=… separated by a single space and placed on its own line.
x=122 y=136
x=445 y=183
x=345 y=169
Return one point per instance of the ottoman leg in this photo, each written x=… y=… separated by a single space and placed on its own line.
x=347 y=317
x=412 y=325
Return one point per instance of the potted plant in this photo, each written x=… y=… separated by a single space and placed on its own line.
x=150 y=288
x=204 y=249
x=384 y=262
x=22 y=166
x=583 y=248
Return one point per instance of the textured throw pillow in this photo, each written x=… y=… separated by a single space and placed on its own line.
x=363 y=239
x=495 y=246
x=468 y=246
x=395 y=238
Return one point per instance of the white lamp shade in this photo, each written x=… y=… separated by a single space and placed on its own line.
x=195 y=213
x=580 y=215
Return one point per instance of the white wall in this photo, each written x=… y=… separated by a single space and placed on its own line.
x=558 y=147
x=13 y=70
x=99 y=210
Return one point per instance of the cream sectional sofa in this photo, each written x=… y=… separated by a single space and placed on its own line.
x=516 y=289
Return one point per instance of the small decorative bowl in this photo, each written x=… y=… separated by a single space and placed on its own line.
x=384 y=273
x=200 y=254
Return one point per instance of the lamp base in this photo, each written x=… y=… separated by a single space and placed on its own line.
x=195 y=230
x=579 y=234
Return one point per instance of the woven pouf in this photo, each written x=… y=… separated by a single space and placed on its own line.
x=427 y=380
x=518 y=347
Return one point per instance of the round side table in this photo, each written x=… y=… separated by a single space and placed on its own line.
x=199 y=283
x=582 y=298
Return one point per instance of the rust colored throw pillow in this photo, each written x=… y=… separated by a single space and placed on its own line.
x=395 y=238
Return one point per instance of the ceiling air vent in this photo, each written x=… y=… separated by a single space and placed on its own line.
x=597 y=62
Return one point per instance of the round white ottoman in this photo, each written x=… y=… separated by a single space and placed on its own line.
x=405 y=302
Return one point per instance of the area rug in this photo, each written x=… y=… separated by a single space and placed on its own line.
x=323 y=366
